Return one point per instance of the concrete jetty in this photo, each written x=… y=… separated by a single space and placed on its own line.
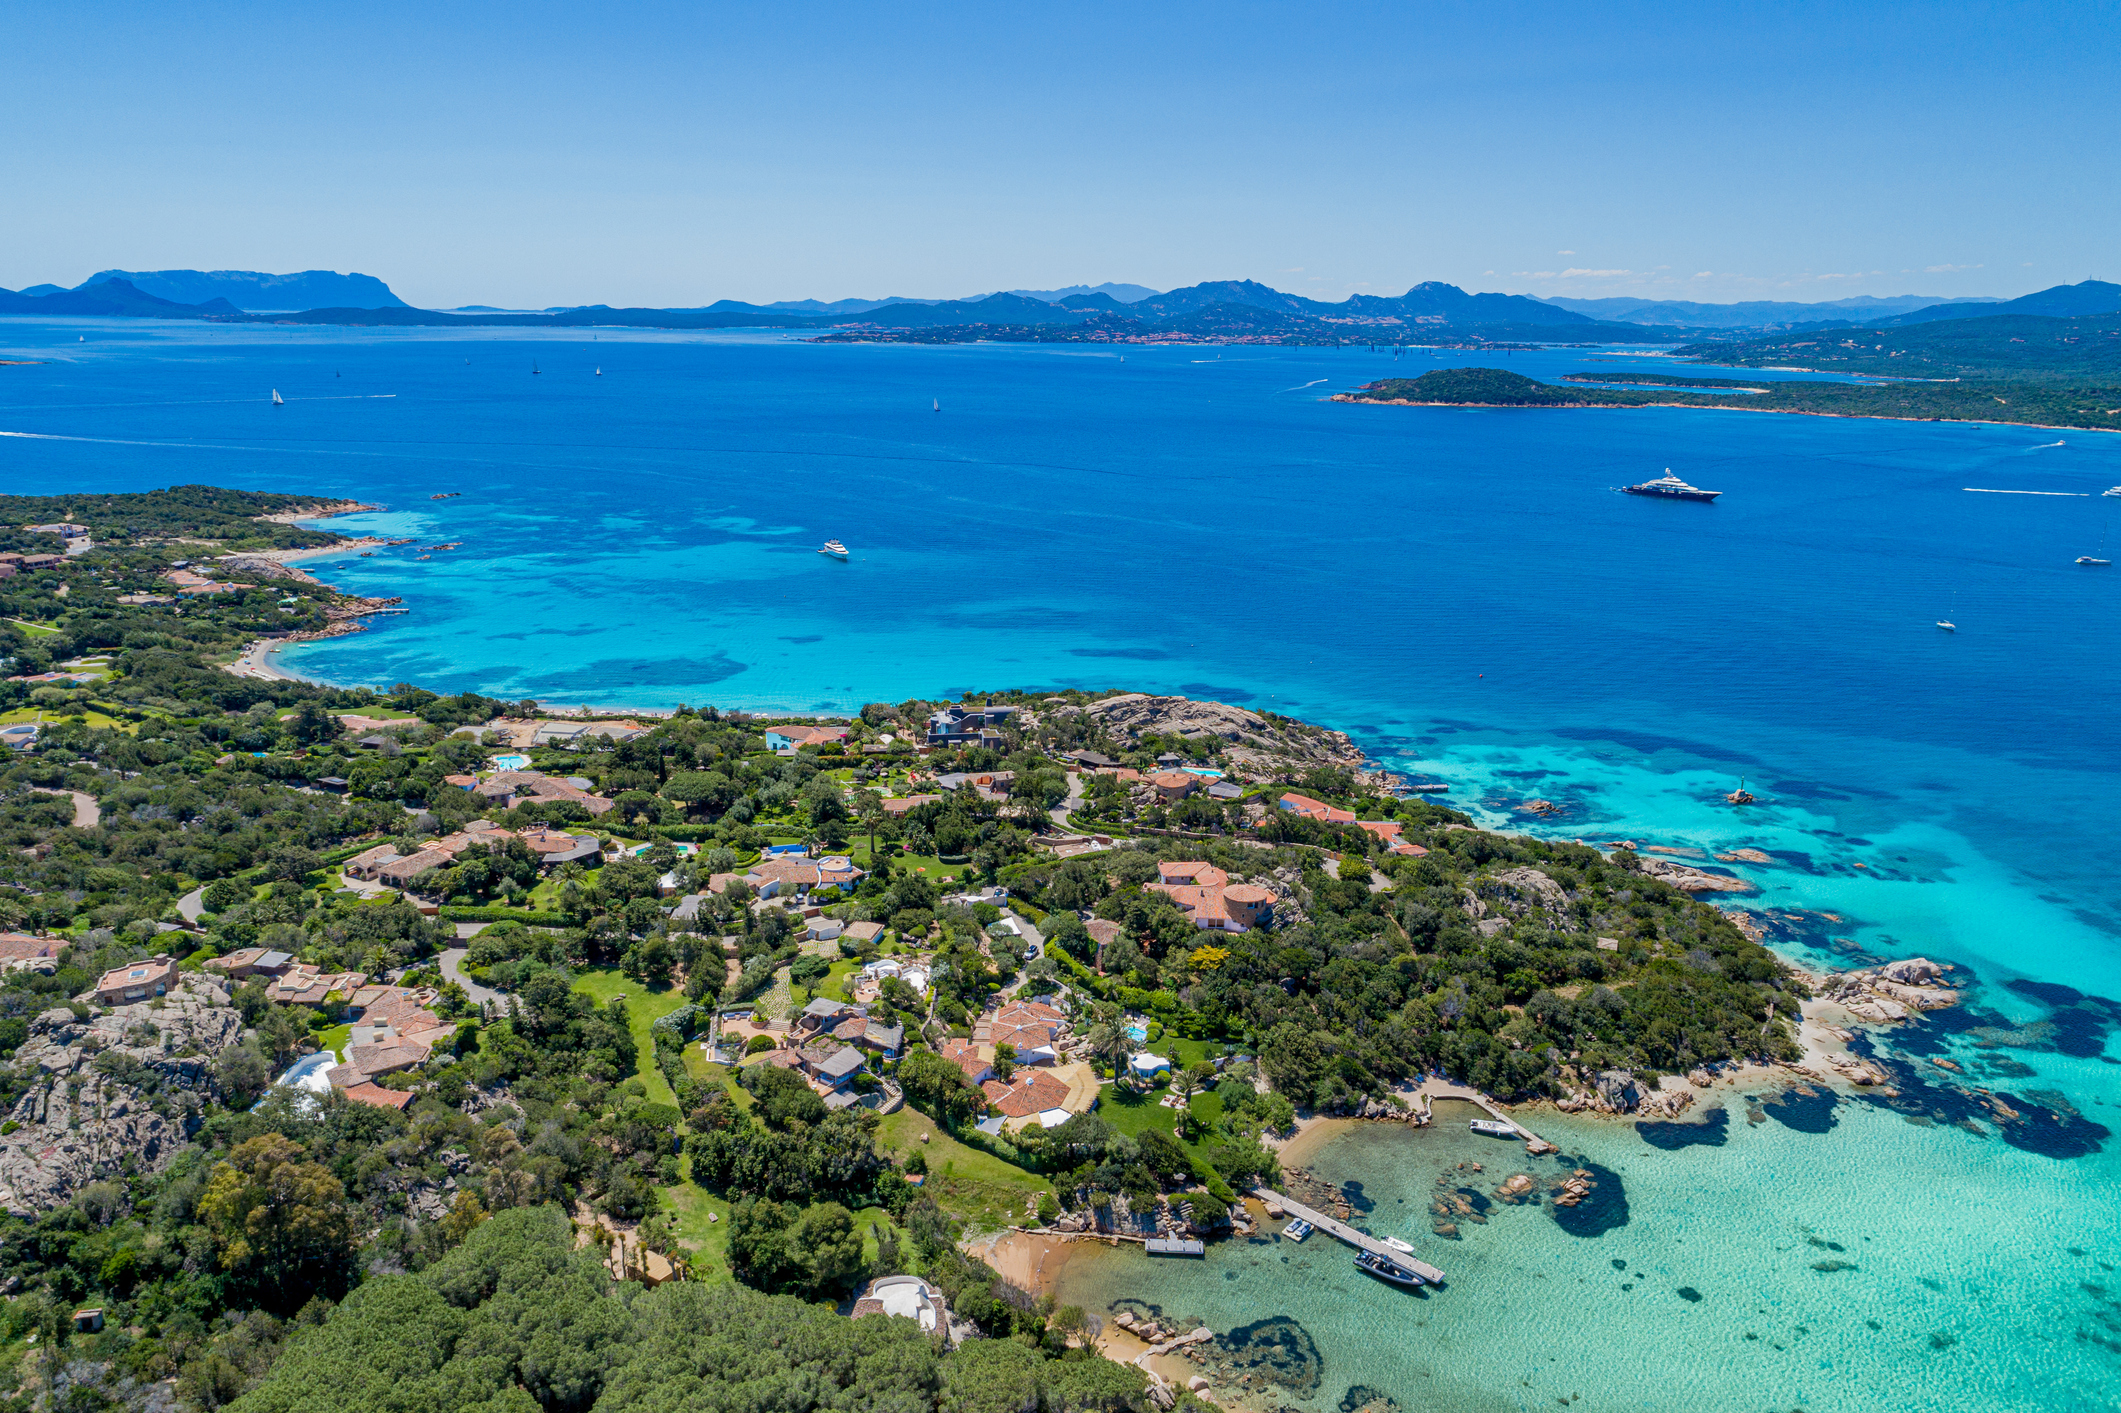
x=1434 y=1087
x=1360 y=1240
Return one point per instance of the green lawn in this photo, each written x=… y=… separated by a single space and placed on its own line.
x=1131 y=1114
x=95 y=718
x=688 y=1205
x=937 y=870
x=334 y=1039
x=34 y=630
x=976 y=1186
x=643 y=1006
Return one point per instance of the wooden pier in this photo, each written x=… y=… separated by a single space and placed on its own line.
x=1360 y=1240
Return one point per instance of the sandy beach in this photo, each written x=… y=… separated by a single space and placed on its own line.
x=1028 y=1260
x=257 y=661
x=1312 y=1132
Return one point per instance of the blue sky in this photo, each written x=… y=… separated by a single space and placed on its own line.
x=533 y=154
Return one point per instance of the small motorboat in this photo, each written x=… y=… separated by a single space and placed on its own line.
x=1297 y=1230
x=2092 y=559
x=835 y=549
x=1493 y=1128
x=1947 y=625
x=1401 y=1246
x=1370 y=1263
x=2111 y=491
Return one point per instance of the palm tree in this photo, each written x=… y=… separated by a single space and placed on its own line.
x=1108 y=1042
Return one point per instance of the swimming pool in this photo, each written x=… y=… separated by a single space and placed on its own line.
x=308 y=1073
x=511 y=762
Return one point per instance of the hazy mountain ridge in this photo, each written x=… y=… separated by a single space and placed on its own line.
x=254 y=290
x=1746 y=314
x=2056 y=302
x=112 y=298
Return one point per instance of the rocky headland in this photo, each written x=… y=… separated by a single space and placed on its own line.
x=1261 y=746
x=121 y=1088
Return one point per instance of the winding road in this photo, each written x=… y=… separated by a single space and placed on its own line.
x=87 y=813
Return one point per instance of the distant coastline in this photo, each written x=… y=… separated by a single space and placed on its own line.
x=1717 y=407
x=2047 y=406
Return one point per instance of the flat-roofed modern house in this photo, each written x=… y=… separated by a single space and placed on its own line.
x=137 y=981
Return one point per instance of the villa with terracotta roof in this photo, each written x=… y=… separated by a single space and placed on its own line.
x=794 y=738
x=871 y=1035
x=1199 y=875
x=366 y=1092
x=966 y=1056
x=771 y=878
x=21 y=951
x=136 y=981
x=1388 y=831
x=1309 y=808
x=1174 y=785
x=1031 y=1093
x=1031 y=1027
x=307 y=986
x=1210 y=899
x=908 y=803
x=508 y=788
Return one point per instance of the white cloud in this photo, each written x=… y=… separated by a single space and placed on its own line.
x=2026 y=266
x=1564 y=252
x=1947 y=269
x=1294 y=270
x=1573 y=273
x=1703 y=274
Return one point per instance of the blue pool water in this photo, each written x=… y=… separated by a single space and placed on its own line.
x=1461 y=589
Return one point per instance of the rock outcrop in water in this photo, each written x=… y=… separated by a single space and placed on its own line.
x=1691 y=880
x=1891 y=992
x=124 y=1086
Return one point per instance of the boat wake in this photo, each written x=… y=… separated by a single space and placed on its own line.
x=1301 y=386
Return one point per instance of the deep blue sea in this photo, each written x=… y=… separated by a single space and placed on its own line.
x=1462 y=589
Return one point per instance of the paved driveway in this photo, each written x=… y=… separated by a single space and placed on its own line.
x=452 y=971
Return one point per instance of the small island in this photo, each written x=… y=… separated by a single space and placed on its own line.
x=2043 y=404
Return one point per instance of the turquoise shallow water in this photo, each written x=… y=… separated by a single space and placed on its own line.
x=1959 y=1291
x=1461 y=589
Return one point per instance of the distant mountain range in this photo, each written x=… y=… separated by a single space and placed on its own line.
x=111 y=298
x=246 y=290
x=1244 y=307
x=2061 y=302
x=1751 y=314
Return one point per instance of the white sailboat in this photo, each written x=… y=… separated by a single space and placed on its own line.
x=600 y=370
x=938 y=404
x=277 y=400
x=2099 y=558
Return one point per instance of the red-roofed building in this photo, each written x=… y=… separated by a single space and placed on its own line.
x=1032 y=1092
x=1174 y=784
x=965 y=1055
x=376 y=1094
x=1203 y=875
x=1225 y=906
x=1388 y=830
x=1316 y=809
